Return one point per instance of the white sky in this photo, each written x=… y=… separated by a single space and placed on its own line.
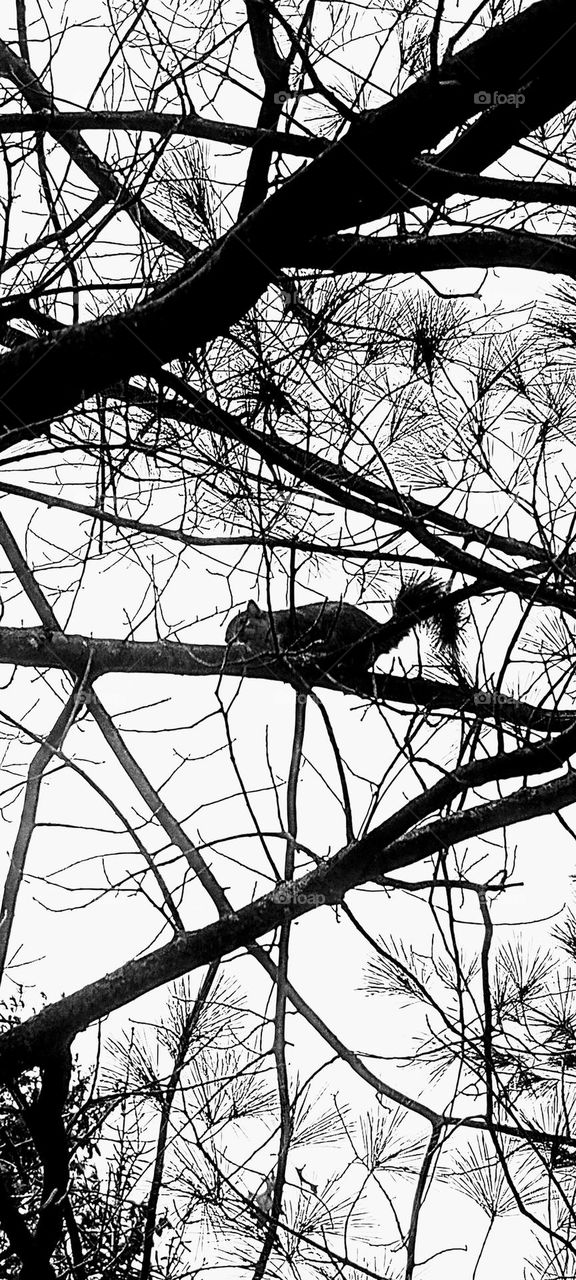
x=62 y=940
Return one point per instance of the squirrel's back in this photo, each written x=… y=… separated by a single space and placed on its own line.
x=329 y=628
x=333 y=634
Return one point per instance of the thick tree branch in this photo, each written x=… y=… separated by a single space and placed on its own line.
x=488 y=248
x=274 y=71
x=46 y=1123
x=20 y=1238
x=366 y=860
x=440 y=183
x=357 y=178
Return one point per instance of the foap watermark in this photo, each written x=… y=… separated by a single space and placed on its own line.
x=488 y=697
x=493 y=98
x=288 y=95
x=288 y=895
x=289 y=297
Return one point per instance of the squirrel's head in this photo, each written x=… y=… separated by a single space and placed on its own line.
x=245 y=624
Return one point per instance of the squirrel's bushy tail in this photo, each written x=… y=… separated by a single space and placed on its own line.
x=423 y=601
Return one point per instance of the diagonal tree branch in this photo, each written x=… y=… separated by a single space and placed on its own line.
x=40 y=761
x=357 y=178
x=367 y=859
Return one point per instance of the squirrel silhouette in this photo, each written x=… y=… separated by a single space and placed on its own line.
x=337 y=636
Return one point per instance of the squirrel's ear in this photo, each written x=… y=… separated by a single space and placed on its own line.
x=252 y=610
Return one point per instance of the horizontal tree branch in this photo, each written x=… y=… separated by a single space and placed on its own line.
x=165 y=123
x=41 y=648
x=447 y=252
x=519 y=190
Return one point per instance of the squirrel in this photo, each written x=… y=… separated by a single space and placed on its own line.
x=338 y=637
